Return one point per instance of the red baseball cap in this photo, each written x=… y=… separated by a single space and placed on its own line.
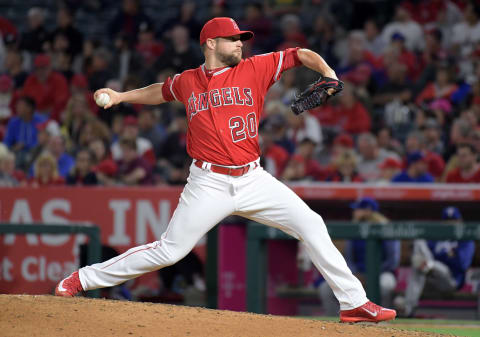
x=130 y=120
x=222 y=27
x=344 y=140
x=390 y=163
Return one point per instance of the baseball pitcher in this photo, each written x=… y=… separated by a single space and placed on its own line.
x=223 y=100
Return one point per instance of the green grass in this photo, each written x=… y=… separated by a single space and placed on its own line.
x=441 y=326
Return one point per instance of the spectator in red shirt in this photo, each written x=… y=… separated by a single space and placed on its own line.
x=133 y=169
x=147 y=46
x=48 y=88
x=275 y=157
x=443 y=87
x=351 y=115
x=104 y=166
x=46 y=172
x=345 y=168
x=468 y=169
x=302 y=166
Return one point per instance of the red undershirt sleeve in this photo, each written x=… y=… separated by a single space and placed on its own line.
x=170 y=90
x=291 y=58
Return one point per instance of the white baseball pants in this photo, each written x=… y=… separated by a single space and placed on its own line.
x=208 y=198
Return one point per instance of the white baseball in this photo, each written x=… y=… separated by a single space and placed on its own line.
x=102 y=99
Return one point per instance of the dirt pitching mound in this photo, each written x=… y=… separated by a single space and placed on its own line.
x=27 y=315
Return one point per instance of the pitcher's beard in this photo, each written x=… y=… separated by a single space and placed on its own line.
x=230 y=60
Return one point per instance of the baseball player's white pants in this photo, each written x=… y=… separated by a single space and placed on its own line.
x=208 y=198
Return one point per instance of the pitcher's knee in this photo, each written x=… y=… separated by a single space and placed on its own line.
x=169 y=253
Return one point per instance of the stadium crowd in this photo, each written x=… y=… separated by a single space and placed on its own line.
x=410 y=110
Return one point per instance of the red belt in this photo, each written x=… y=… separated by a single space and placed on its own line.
x=235 y=172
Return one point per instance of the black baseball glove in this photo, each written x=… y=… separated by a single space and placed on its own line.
x=316 y=94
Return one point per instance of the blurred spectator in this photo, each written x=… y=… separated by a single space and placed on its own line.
x=150 y=129
x=373 y=40
x=76 y=116
x=65 y=27
x=468 y=169
x=352 y=116
x=46 y=130
x=434 y=50
x=433 y=137
x=388 y=169
x=175 y=160
x=218 y=8
x=46 y=172
x=49 y=88
x=366 y=210
x=99 y=72
x=181 y=53
x=14 y=67
x=93 y=129
x=292 y=34
x=355 y=67
x=416 y=172
x=130 y=131
x=276 y=8
x=396 y=87
x=416 y=142
x=128 y=20
x=304 y=126
x=147 y=47
x=64 y=161
x=79 y=85
x=443 y=87
x=82 y=173
x=371 y=155
x=277 y=124
x=21 y=130
x=104 y=166
x=125 y=58
x=6 y=98
x=283 y=91
x=34 y=39
x=345 y=168
x=465 y=37
x=437 y=266
x=9 y=177
x=256 y=21
x=7 y=29
x=274 y=157
x=132 y=169
x=386 y=141
x=185 y=17
x=429 y=13
x=302 y=166
x=404 y=25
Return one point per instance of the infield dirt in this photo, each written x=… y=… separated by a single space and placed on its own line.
x=30 y=315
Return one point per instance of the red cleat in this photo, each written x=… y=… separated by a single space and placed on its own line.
x=69 y=286
x=369 y=312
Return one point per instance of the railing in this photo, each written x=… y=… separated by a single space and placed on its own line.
x=257 y=235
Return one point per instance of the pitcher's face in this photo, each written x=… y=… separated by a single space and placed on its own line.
x=228 y=50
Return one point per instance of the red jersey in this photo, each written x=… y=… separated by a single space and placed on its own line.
x=223 y=110
x=455 y=176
